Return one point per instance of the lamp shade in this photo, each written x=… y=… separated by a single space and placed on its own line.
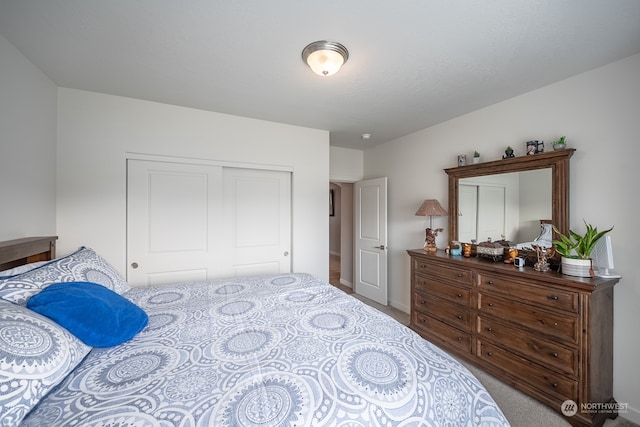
x=431 y=207
x=325 y=58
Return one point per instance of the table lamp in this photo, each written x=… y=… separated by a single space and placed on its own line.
x=431 y=208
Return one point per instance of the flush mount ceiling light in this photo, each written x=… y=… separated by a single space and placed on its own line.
x=324 y=57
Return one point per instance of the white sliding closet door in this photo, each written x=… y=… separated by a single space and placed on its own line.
x=483 y=212
x=491 y=212
x=194 y=222
x=468 y=207
x=256 y=214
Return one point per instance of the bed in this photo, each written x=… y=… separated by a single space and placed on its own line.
x=255 y=351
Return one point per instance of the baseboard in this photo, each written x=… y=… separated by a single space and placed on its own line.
x=402 y=307
x=346 y=283
x=631 y=414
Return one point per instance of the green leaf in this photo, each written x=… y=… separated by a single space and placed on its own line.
x=582 y=244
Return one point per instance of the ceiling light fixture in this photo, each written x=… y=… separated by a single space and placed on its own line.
x=324 y=57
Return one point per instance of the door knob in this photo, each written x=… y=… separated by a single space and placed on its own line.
x=380 y=247
x=286 y=253
x=134 y=265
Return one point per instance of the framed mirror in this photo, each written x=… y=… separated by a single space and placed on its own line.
x=544 y=177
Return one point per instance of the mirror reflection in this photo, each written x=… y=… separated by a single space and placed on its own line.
x=509 y=205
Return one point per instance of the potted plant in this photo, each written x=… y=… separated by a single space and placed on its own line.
x=575 y=250
x=476 y=157
x=559 y=144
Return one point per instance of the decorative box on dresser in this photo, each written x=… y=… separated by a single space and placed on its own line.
x=546 y=334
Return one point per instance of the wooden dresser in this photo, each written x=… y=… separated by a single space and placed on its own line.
x=546 y=334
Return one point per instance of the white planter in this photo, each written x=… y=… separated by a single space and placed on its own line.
x=577 y=267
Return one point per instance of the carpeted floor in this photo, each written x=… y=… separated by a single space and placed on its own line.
x=520 y=410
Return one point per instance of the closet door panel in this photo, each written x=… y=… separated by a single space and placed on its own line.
x=173 y=217
x=257 y=212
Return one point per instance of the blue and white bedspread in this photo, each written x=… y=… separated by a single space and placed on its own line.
x=285 y=350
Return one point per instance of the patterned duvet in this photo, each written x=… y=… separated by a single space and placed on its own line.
x=285 y=350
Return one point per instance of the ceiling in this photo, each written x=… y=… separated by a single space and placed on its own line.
x=412 y=63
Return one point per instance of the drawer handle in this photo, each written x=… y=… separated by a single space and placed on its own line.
x=490 y=282
x=459 y=316
x=459 y=295
x=422 y=301
x=490 y=304
x=554 y=354
x=490 y=353
x=489 y=329
x=553 y=297
x=460 y=275
x=554 y=385
x=459 y=338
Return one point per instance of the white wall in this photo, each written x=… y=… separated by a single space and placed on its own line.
x=599 y=112
x=346 y=165
x=27 y=147
x=95 y=132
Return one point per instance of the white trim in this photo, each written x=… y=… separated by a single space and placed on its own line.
x=208 y=162
x=346 y=283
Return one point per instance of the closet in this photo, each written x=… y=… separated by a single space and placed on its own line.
x=196 y=221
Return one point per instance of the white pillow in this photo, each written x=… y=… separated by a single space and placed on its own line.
x=36 y=354
x=84 y=265
x=21 y=269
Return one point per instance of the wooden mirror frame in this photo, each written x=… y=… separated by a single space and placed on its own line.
x=557 y=161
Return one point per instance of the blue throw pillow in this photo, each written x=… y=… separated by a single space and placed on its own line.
x=95 y=314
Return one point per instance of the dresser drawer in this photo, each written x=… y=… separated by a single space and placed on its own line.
x=545 y=380
x=564 y=326
x=451 y=293
x=440 y=333
x=452 y=314
x=449 y=274
x=547 y=353
x=539 y=295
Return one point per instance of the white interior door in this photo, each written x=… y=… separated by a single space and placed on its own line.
x=196 y=222
x=371 y=239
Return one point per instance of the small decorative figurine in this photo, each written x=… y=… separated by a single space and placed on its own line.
x=508 y=153
x=455 y=248
x=542 y=254
x=513 y=253
x=430 y=239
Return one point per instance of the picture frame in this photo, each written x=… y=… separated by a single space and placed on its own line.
x=331 y=209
